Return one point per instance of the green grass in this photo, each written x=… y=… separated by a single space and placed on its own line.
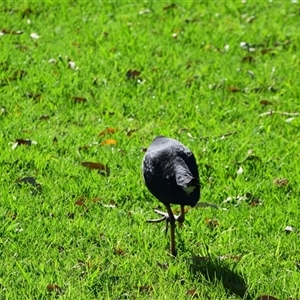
x=101 y=247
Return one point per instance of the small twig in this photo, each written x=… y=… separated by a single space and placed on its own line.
x=218 y=136
x=284 y=113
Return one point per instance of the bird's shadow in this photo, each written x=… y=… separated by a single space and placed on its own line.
x=215 y=270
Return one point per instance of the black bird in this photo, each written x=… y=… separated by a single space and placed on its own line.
x=171 y=174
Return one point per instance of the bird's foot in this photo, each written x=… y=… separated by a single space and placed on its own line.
x=166 y=217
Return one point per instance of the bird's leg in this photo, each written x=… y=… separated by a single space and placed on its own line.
x=172 y=221
x=180 y=218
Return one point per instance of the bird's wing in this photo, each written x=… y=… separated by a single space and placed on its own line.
x=183 y=175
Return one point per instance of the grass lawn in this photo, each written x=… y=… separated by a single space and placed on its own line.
x=84 y=82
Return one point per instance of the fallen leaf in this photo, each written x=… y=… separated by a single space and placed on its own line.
x=119 y=251
x=289 y=229
x=109 y=205
x=240 y=171
x=248 y=59
x=23 y=142
x=34 y=36
x=255 y=202
x=131 y=131
x=145 y=289
x=8 y=31
x=54 y=288
x=233 y=89
x=211 y=223
x=193 y=293
x=79 y=99
x=265 y=102
x=11 y=215
x=250 y=19
x=102 y=169
x=26 y=12
x=44 y=117
x=131 y=74
x=36 y=187
x=232 y=257
x=3 y=111
x=72 y=65
x=145 y=11
x=61 y=249
x=266 y=297
x=96 y=199
x=108 y=130
x=109 y=142
x=267 y=50
x=252 y=200
x=80 y=202
x=281 y=182
x=52 y=61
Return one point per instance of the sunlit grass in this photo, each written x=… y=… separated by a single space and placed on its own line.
x=208 y=73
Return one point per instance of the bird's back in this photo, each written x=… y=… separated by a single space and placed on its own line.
x=171 y=173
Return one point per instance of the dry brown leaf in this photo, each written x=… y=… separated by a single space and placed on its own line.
x=248 y=59
x=79 y=202
x=132 y=74
x=145 y=289
x=8 y=31
x=211 y=223
x=11 y=215
x=265 y=102
x=36 y=187
x=267 y=50
x=131 y=131
x=233 y=89
x=109 y=142
x=44 y=117
x=119 y=251
x=193 y=293
x=281 y=182
x=23 y=142
x=108 y=130
x=83 y=148
x=54 y=288
x=102 y=169
x=255 y=202
x=266 y=297
x=35 y=97
x=96 y=199
x=79 y=99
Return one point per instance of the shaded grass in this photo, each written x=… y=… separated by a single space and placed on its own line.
x=184 y=91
